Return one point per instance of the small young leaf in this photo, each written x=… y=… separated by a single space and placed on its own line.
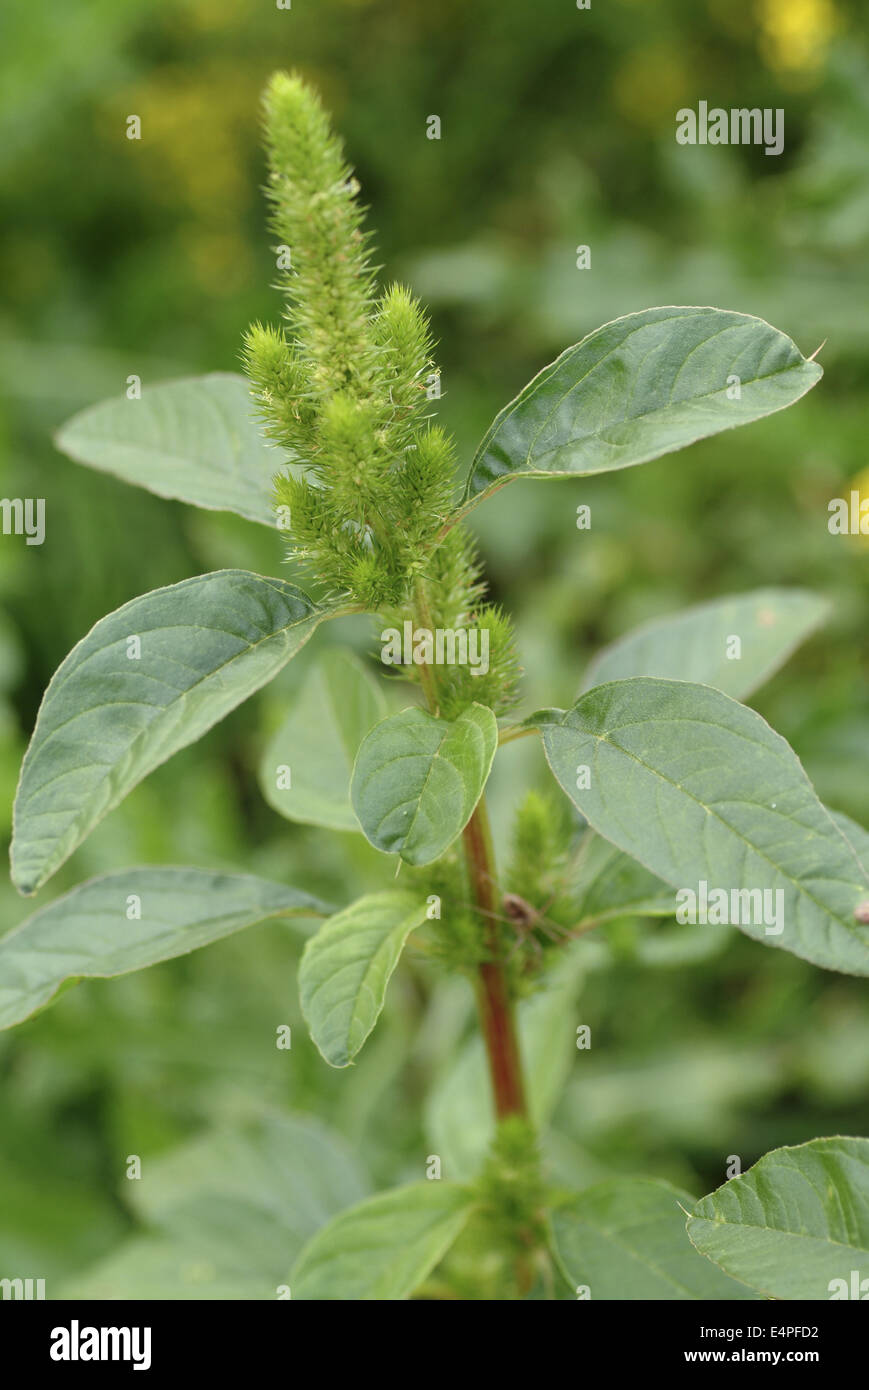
x=346 y=968
x=701 y=790
x=197 y=440
x=796 y=1225
x=128 y=920
x=336 y=707
x=384 y=1248
x=698 y=644
x=625 y=1239
x=417 y=780
x=640 y=387
x=145 y=681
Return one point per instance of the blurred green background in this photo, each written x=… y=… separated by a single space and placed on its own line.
x=151 y=257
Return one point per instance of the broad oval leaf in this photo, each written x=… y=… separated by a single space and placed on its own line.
x=89 y=932
x=700 y=790
x=637 y=388
x=796 y=1225
x=114 y=710
x=625 y=1239
x=232 y=1207
x=698 y=644
x=347 y=966
x=306 y=769
x=197 y=440
x=383 y=1248
x=291 y=1166
x=250 y=1197
x=417 y=779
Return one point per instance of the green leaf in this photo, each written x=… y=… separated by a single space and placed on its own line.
x=625 y=1239
x=694 y=645
x=856 y=836
x=252 y=1196
x=197 y=440
x=347 y=966
x=611 y=884
x=384 y=1248
x=681 y=1091
x=336 y=707
x=159 y=1268
x=417 y=780
x=794 y=1223
x=231 y=1209
x=675 y=947
x=109 y=716
x=94 y=932
x=459 y=1118
x=640 y=387
x=700 y=789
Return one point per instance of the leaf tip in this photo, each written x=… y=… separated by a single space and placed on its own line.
x=24 y=884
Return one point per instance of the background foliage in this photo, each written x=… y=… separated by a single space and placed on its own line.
x=151 y=257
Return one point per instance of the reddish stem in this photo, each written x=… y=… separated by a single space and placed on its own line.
x=494 y=1001
x=497 y=1019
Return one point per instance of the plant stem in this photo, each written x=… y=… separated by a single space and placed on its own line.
x=423 y=615
x=494 y=1000
x=512 y=732
x=494 y=996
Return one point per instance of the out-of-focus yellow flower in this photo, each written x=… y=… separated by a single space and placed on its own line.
x=193 y=137
x=195 y=156
x=206 y=17
x=797 y=33
x=651 y=84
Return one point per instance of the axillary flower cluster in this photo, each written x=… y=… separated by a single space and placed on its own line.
x=342 y=385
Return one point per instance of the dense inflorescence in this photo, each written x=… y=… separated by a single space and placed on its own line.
x=342 y=385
